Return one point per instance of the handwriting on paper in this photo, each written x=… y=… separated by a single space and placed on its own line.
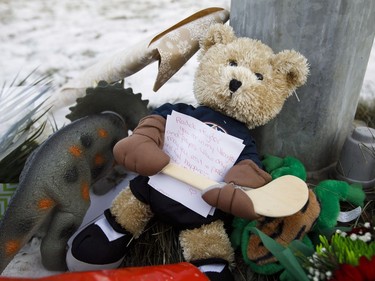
x=200 y=148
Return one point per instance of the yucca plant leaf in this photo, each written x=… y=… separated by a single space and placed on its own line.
x=22 y=107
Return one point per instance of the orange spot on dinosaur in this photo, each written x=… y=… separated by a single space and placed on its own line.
x=12 y=247
x=85 y=191
x=102 y=133
x=45 y=204
x=99 y=159
x=75 y=151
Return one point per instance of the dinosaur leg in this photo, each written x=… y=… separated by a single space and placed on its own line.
x=21 y=220
x=64 y=223
x=209 y=248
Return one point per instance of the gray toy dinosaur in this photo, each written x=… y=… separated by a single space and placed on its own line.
x=55 y=182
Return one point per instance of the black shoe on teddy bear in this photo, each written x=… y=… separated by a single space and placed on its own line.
x=101 y=245
x=215 y=269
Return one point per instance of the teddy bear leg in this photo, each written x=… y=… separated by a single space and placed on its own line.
x=103 y=244
x=209 y=248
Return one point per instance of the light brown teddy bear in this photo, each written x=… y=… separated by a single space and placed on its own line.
x=240 y=84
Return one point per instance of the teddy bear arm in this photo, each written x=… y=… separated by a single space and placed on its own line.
x=142 y=151
x=233 y=200
x=248 y=174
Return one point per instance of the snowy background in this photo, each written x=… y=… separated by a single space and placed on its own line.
x=61 y=38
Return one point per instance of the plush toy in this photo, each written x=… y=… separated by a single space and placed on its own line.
x=54 y=188
x=319 y=215
x=239 y=84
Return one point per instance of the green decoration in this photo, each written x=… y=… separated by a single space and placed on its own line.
x=284 y=255
x=6 y=192
x=296 y=232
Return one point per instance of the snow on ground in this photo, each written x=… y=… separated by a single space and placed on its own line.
x=61 y=38
x=64 y=37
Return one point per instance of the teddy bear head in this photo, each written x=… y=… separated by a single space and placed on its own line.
x=243 y=78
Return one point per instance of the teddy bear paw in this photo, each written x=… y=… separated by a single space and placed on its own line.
x=230 y=199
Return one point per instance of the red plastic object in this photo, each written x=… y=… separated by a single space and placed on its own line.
x=177 y=272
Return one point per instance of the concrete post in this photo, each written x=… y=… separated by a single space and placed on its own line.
x=336 y=36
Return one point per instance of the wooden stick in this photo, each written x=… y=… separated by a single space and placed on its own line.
x=281 y=197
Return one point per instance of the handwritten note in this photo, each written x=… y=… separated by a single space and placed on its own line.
x=200 y=148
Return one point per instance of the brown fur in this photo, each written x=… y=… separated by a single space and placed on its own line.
x=135 y=216
x=207 y=241
x=255 y=103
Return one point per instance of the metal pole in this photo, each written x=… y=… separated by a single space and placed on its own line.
x=336 y=36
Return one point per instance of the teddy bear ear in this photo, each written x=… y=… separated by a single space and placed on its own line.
x=293 y=65
x=217 y=34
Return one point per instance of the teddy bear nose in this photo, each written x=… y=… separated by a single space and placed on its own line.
x=234 y=85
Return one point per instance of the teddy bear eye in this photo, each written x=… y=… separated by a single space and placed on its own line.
x=233 y=63
x=259 y=76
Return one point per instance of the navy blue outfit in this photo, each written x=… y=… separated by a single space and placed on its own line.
x=173 y=212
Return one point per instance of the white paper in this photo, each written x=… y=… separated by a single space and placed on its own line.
x=194 y=145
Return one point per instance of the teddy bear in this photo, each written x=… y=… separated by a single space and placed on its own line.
x=240 y=83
